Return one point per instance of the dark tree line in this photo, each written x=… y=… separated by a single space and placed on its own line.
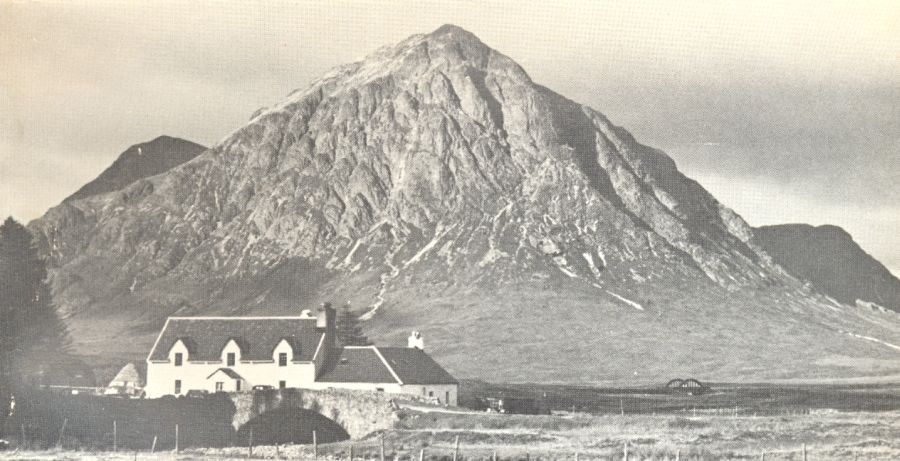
x=33 y=338
x=349 y=331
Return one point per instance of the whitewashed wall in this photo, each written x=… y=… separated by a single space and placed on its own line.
x=161 y=376
x=438 y=391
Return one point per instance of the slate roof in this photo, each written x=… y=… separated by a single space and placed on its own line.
x=256 y=336
x=372 y=364
x=357 y=365
x=414 y=366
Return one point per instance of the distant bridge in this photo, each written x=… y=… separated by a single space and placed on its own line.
x=357 y=412
x=688 y=386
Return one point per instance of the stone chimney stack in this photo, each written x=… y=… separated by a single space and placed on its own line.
x=325 y=323
x=416 y=341
x=325 y=317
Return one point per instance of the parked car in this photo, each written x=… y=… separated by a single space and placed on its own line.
x=196 y=393
x=511 y=405
x=262 y=387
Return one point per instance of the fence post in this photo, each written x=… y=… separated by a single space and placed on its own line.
x=351 y=451
x=456 y=449
x=622 y=407
x=804 y=452
x=177 y=447
x=153 y=445
x=762 y=457
x=494 y=456
x=61 y=432
x=115 y=437
x=625 y=452
x=382 y=447
x=421 y=454
x=677 y=455
x=576 y=456
x=24 y=440
x=315 y=446
x=250 y=444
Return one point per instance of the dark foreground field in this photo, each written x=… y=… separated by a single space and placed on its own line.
x=827 y=436
x=741 y=422
x=744 y=399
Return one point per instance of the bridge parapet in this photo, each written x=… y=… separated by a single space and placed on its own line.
x=358 y=412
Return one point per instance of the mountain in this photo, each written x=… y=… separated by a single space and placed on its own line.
x=438 y=188
x=138 y=162
x=828 y=258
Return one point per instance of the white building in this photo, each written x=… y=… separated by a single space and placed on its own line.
x=237 y=353
x=126 y=383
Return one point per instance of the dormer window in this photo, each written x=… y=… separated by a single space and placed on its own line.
x=233 y=350
x=285 y=351
x=180 y=350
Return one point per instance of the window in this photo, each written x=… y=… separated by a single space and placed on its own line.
x=282 y=384
x=379 y=389
x=237 y=384
x=282 y=359
x=431 y=393
x=220 y=386
x=177 y=386
x=229 y=359
x=423 y=390
x=447 y=397
x=178 y=359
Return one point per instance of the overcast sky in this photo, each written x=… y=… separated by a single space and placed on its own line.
x=785 y=111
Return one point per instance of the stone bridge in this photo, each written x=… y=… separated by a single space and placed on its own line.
x=358 y=412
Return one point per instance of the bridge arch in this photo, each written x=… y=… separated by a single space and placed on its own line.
x=290 y=425
x=675 y=383
x=357 y=413
x=689 y=385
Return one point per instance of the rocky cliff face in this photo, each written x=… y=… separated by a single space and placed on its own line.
x=831 y=261
x=438 y=188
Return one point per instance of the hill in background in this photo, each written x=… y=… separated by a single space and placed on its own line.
x=140 y=161
x=828 y=258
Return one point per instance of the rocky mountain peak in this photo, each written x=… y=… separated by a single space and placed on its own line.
x=437 y=188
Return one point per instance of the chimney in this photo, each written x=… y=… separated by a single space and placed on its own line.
x=415 y=341
x=325 y=317
x=325 y=324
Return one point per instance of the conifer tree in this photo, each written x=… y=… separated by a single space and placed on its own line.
x=32 y=336
x=349 y=331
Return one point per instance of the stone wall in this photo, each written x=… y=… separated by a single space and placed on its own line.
x=358 y=412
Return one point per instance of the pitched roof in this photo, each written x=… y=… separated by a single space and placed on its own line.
x=372 y=364
x=257 y=337
x=228 y=372
x=129 y=373
x=414 y=366
x=357 y=365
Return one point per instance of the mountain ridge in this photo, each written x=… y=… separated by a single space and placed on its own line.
x=832 y=261
x=436 y=187
x=138 y=162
